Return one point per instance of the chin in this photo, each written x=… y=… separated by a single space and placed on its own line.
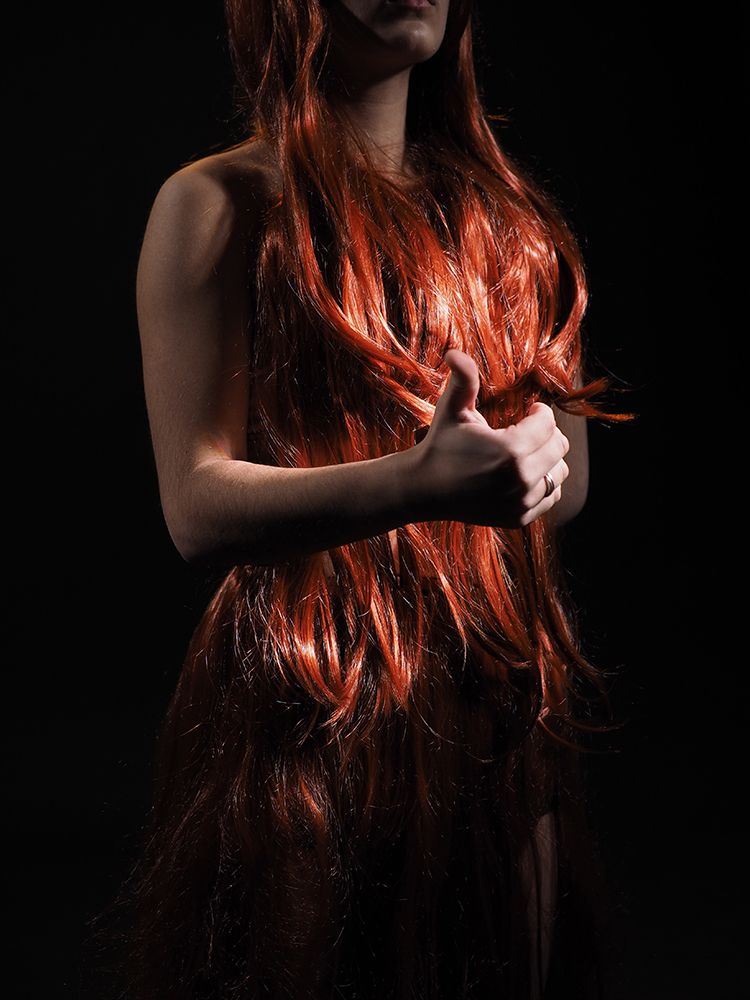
x=389 y=33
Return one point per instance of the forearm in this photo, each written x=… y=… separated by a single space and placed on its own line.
x=228 y=512
x=221 y=509
x=195 y=317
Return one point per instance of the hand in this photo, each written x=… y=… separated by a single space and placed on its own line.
x=466 y=471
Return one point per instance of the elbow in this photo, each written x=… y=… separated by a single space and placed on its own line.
x=194 y=546
x=203 y=551
x=197 y=539
x=205 y=543
x=198 y=521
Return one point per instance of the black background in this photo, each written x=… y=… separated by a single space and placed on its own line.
x=623 y=115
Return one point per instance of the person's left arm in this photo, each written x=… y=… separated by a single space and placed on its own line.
x=576 y=487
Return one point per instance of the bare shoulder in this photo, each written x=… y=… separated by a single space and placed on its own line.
x=212 y=206
x=243 y=180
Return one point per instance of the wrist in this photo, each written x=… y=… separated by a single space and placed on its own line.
x=412 y=494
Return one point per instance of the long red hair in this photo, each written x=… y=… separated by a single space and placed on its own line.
x=375 y=730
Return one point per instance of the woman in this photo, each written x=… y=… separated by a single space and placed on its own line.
x=366 y=783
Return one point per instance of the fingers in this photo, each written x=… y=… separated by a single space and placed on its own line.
x=547 y=492
x=459 y=398
x=539 y=428
x=541 y=465
x=552 y=482
x=544 y=496
x=483 y=476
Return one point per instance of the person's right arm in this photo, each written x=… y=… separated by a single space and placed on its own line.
x=194 y=312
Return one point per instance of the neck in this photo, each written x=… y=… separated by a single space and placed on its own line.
x=379 y=112
x=377 y=107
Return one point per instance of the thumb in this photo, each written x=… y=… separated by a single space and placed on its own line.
x=461 y=392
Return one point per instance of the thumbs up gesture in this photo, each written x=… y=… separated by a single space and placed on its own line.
x=466 y=471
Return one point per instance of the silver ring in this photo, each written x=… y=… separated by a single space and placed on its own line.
x=550 y=487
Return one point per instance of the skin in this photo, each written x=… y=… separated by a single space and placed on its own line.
x=220 y=506
x=375 y=45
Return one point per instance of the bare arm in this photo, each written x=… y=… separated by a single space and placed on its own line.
x=219 y=507
x=577 y=459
